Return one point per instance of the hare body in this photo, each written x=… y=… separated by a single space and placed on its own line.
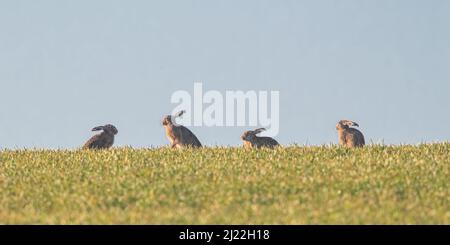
x=104 y=140
x=178 y=135
x=251 y=140
x=349 y=137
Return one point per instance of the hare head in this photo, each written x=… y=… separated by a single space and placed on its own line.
x=250 y=135
x=170 y=119
x=108 y=128
x=167 y=120
x=345 y=124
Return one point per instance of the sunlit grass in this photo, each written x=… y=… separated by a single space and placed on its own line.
x=294 y=185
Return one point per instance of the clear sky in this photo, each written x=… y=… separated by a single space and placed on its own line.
x=67 y=66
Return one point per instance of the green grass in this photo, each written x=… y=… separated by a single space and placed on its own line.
x=294 y=185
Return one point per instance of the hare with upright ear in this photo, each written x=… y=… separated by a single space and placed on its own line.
x=349 y=137
x=103 y=140
x=178 y=135
x=251 y=140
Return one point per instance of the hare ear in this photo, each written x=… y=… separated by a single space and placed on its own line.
x=98 y=128
x=355 y=124
x=347 y=123
x=179 y=114
x=259 y=130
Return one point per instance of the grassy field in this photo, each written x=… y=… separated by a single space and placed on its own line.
x=294 y=185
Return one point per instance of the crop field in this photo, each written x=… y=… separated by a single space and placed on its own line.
x=292 y=185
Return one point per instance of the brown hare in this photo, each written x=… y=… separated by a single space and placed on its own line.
x=103 y=140
x=349 y=137
x=251 y=140
x=178 y=135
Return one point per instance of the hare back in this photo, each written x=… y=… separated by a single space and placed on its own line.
x=266 y=142
x=185 y=137
x=100 y=141
x=354 y=138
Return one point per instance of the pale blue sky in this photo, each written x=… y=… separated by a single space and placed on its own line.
x=67 y=66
